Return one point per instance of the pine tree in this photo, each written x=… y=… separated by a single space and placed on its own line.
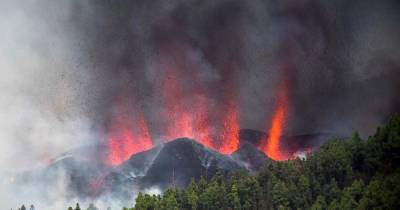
x=202 y=184
x=168 y=201
x=192 y=195
x=77 y=207
x=214 y=196
x=92 y=207
x=280 y=194
x=140 y=202
x=303 y=192
x=234 y=198
x=332 y=191
x=320 y=203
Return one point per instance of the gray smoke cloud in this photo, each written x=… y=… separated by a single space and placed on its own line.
x=341 y=56
x=41 y=99
x=63 y=65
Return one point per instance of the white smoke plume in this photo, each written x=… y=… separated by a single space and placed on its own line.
x=41 y=102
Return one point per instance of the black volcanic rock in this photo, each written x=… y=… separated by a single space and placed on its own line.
x=293 y=144
x=289 y=144
x=251 y=136
x=138 y=164
x=171 y=164
x=177 y=162
x=249 y=156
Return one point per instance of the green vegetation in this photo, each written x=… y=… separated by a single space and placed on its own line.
x=345 y=174
x=342 y=174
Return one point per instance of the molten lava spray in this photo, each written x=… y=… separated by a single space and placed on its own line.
x=187 y=109
x=229 y=138
x=128 y=136
x=272 y=147
x=182 y=118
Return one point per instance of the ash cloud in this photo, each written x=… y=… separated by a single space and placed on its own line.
x=63 y=66
x=341 y=54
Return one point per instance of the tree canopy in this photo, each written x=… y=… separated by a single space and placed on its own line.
x=344 y=174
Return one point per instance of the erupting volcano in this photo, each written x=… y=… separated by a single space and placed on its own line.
x=193 y=105
x=104 y=102
x=187 y=112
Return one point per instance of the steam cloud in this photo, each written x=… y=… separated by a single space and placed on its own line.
x=64 y=65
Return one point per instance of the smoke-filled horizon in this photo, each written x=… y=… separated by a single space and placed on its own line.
x=195 y=65
x=82 y=73
x=153 y=54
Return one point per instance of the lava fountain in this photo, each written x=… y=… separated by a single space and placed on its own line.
x=129 y=135
x=183 y=116
x=229 y=138
x=272 y=146
x=188 y=111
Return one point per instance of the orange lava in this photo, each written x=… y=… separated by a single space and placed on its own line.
x=127 y=137
x=229 y=139
x=182 y=118
x=202 y=123
x=272 y=147
x=187 y=109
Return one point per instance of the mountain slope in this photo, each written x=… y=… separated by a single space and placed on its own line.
x=178 y=161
